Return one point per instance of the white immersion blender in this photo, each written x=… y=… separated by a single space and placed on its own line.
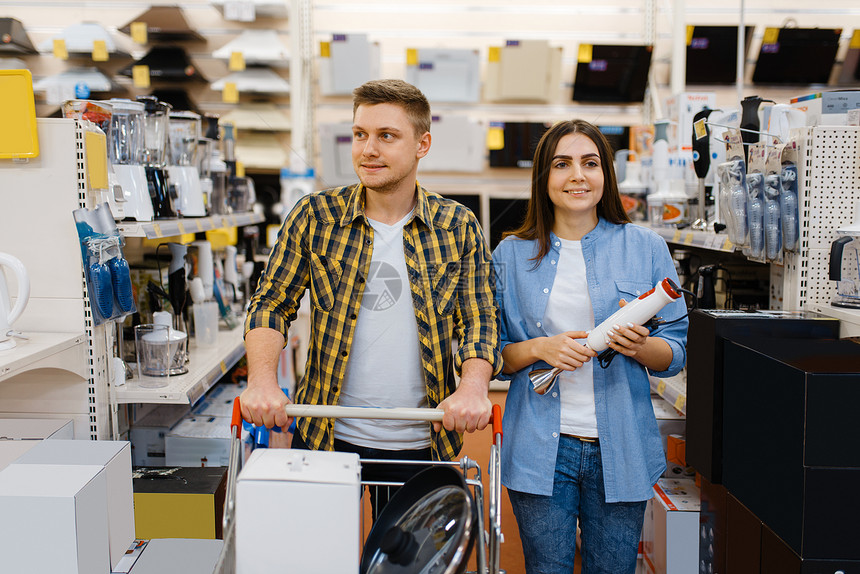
x=637 y=312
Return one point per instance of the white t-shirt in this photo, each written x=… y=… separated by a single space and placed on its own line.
x=384 y=368
x=569 y=309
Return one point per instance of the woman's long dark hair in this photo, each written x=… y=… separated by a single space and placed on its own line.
x=540 y=214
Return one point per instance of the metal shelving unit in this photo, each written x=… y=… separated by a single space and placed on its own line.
x=205 y=367
x=172 y=227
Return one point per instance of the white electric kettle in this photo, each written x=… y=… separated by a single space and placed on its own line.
x=9 y=314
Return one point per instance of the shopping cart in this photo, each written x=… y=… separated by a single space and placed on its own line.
x=488 y=543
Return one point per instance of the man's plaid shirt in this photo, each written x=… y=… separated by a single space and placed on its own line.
x=326 y=244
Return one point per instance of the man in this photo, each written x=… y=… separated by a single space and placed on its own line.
x=395 y=273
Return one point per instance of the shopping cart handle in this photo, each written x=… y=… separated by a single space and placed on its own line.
x=384 y=413
x=236 y=419
x=497 y=422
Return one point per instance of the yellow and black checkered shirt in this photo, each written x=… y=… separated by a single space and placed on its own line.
x=326 y=244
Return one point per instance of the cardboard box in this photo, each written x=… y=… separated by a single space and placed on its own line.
x=188 y=556
x=315 y=485
x=669 y=422
x=671 y=529
x=676 y=449
x=177 y=502
x=218 y=402
x=36 y=429
x=115 y=457
x=10 y=450
x=198 y=441
x=54 y=518
x=147 y=435
x=828 y=108
x=680 y=108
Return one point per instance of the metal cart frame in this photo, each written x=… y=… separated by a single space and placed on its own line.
x=488 y=543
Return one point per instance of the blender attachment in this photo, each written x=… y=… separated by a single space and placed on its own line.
x=155 y=156
x=126 y=147
x=100 y=114
x=184 y=133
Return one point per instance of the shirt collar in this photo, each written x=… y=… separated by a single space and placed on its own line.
x=554 y=243
x=355 y=206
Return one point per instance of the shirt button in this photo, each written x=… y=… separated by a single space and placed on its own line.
x=555 y=395
x=555 y=435
x=361 y=279
x=539 y=324
x=343 y=353
x=557 y=243
x=545 y=290
x=369 y=241
x=353 y=316
x=553 y=262
x=637 y=292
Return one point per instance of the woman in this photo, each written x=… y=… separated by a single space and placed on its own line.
x=589 y=448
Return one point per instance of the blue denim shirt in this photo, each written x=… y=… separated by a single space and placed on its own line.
x=621 y=261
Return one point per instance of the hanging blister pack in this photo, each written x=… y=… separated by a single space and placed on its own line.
x=755 y=201
x=788 y=200
x=107 y=272
x=772 y=215
x=733 y=189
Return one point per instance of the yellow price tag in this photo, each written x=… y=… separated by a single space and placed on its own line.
x=325 y=49
x=223 y=366
x=688 y=239
x=676 y=236
x=411 y=57
x=771 y=36
x=700 y=129
x=240 y=169
x=585 y=53
x=661 y=387
x=100 y=51
x=60 y=51
x=138 y=32
x=690 y=30
x=181 y=227
x=728 y=245
x=495 y=54
x=157 y=228
x=855 y=39
x=230 y=95
x=97 y=171
x=140 y=76
x=237 y=62
x=495 y=138
x=680 y=402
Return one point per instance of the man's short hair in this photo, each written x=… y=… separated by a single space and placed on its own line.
x=399 y=93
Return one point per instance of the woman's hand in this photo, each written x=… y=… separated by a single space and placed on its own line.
x=564 y=351
x=627 y=339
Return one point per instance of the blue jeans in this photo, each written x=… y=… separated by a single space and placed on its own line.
x=610 y=531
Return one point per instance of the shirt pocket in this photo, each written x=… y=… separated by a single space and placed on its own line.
x=325 y=280
x=444 y=279
x=630 y=290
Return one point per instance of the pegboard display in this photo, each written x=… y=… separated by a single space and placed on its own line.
x=830 y=189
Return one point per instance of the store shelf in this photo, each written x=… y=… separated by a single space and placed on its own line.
x=43 y=351
x=701 y=239
x=849 y=319
x=673 y=390
x=172 y=227
x=205 y=367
